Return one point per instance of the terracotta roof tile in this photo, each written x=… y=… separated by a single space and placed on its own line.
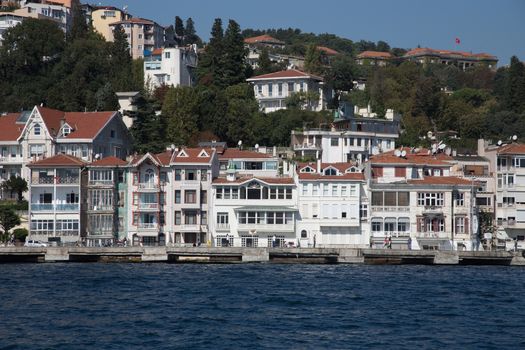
x=268 y=180
x=134 y=20
x=425 y=51
x=375 y=54
x=59 y=160
x=328 y=51
x=9 y=129
x=513 y=148
x=265 y=38
x=421 y=158
x=234 y=153
x=110 y=161
x=290 y=73
x=441 y=180
x=193 y=155
x=157 y=52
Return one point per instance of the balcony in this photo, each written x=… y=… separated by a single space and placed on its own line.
x=193 y=228
x=433 y=209
x=267 y=227
x=69 y=207
x=102 y=183
x=435 y=235
x=148 y=206
x=222 y=227
x=307 y=147
x=11 y=160
x=148 y=186
x=148 y=225
x=68 y=180
x=376 y=209
x=101 y=208
x=43 y=180
x=391 y=234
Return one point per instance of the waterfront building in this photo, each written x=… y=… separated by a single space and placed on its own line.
x=461 y=59
x=103 y=16
x=373 y=58
x=353 y=136
x=174 y=66
x=253 y=211
x=56 y=199
x=332 y=205
x=144 y=35
x=188 y=201
x=272 y=90
x=248 y=162
x=44 y=132
x=415 y=201
x=107 y=204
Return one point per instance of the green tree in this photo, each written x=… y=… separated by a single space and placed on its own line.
x=20 y=234
x=180 y=111
x=15 y=184
x=514 y=95
x=79 y=28
x=312 y=60
x=265 y=65
x=341 y=73
x=242 y=107
x=179 y=30
x=8 y=220
x=148 y=129
x=190 y=34
x=209 y=70
x=120 y=61
x=234 y=55
x=106 y=99
x=306 y=100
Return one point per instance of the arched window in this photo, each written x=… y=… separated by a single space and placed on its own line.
x=149 y=176
x=330 y=172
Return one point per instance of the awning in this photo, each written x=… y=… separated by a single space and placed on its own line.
x=269 y=208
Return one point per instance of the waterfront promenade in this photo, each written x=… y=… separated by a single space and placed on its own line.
x=258 y=255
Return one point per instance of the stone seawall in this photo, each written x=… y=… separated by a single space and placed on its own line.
x=258 y=255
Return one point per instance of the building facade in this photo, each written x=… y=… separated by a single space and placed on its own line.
x=461 y=59
x=103 y=16
x=273 y=89
x=144 y=35
x=170 y=66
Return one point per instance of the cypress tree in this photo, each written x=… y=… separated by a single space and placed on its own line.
x=209 y=70
x=234 y=55
x=190 y=34
x=120 y=58
x=79 y=28
x=179 y=30
x=514 y=92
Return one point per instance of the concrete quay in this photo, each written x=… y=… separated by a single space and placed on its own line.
x=259 y=255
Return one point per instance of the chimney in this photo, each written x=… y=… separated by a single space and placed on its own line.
x=319 y=166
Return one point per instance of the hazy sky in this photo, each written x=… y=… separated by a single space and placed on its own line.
x=495 y=27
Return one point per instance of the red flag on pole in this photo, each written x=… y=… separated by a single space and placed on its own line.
x=458 y=41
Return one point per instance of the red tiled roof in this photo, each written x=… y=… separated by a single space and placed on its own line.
x=425 y=51
x=513 y=148
x=421 y=158
x=164 y=157
x=9 y=130
x=441 y=180
x=234 y=153
x=193 y=155
x=157 y=52
x=375 y=54
x=328 y=51
x=290 y=73
x=86 y=125
x=268 y=180
x=59 y=160
x=265 y=38
x=110 y=161
x=134 y=20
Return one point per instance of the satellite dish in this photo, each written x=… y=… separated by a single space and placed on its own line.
x=448 y=151
x=97 y=156
x=403 y=153
x=429 y=134
x=442 y=146
x=417 y=150
x=514 y=137
x=172 y=146
x=239 y=143
x=256 y=146
x=397 y=153
x=500 y=143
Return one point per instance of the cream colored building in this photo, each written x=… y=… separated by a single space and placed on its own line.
x=144 y=35
x=103 y=16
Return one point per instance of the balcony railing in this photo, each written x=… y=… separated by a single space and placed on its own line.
x=222 y=227
x=55 y=207
x=43 y=180
x=101 y=207
x=11 y=159
x=67 y=180
x=387 y=208
x=391 y=234
x=305 y=146
x=101 y=183
x=148 y=225
x=442 y=235
x=148 y=206
x=148 y=186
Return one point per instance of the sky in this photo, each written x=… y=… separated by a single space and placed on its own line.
x=495 y=27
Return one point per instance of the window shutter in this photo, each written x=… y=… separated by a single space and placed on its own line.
x=466 y=226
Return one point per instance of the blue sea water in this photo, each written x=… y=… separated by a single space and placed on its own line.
x=166 y=306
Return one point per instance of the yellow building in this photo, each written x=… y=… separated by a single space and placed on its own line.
x=103 y=16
